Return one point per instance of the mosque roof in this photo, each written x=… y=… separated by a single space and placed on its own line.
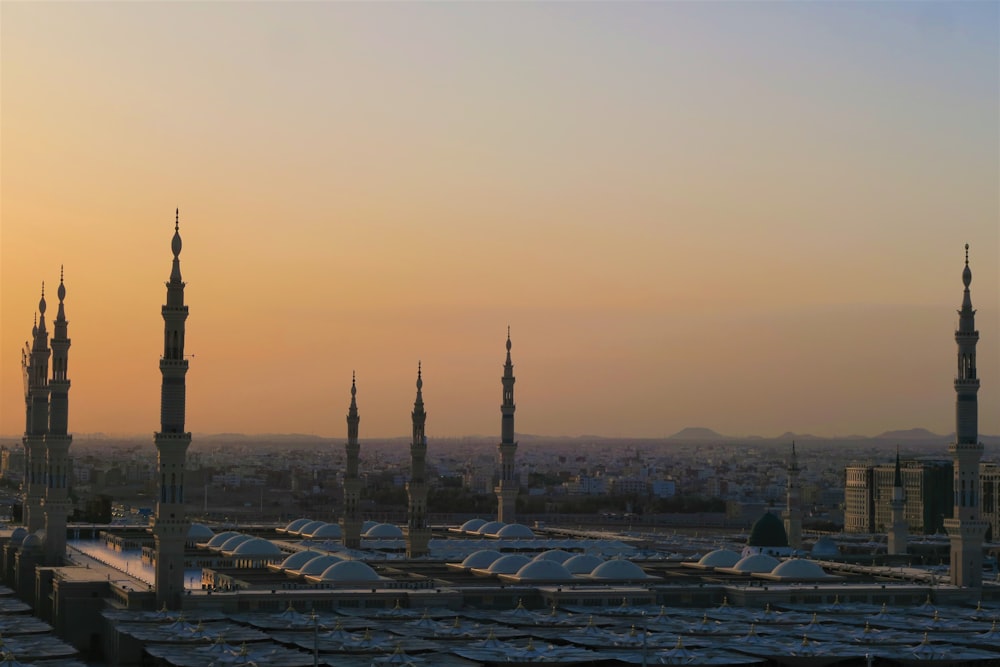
x=256 y=546
x=200 y=532
x=755 y=563
x=719 y=558
x=491 y=528
x=824 y=547
x=220 y=538
x=799 y=568
x=349 y=570
x=294 y=526
x=327 y=530
x=234 y=541
x=17 y=535
x=472 y=525
x=508 y=564
x=308 y=528
x=515 y=531
x=618 y=569
x=383 y=531
x=481 y=559
x=318 y=565
x=543 y=570
x=557 y=555
x=582 y=563
x=298 y=559
x=768 y=531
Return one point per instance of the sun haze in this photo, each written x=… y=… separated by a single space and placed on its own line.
x=745 y=216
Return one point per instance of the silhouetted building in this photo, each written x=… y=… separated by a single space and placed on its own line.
x=56 y=504
x=793 y=503
x=419 y=533
x=351 y=523
x=508 y=485
x=170 y=523
x=966 y=526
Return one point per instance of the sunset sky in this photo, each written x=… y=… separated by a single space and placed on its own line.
x=744 y=216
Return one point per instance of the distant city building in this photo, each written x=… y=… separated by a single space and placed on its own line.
x=926 y=489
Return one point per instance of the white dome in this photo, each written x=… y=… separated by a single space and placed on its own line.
x=618 y=570
x=517 y=531
x=491 y=528
x=349 y=570
x=824 y=547
x=31 y=541
x=756 y=563
x=234 y=541
x=798 y=568
x=720 y=558
x=383 y=531
x=200 y=532
x=308 y=528
x=256 y=546
x=544 y=570
x=294 y=526
x=481 y=559
x=328 y=531
x=297 y=560
x=508 y=564
x=472 y=525
x=221 y=538
x=317 y=565
x=17 y=535
x=582 y=563
x=557 y=555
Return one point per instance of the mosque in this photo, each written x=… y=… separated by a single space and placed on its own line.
x=490 y=590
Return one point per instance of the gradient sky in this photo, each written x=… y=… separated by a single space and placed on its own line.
x=745 y=216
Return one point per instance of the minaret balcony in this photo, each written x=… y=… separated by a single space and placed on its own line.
x=966 y=383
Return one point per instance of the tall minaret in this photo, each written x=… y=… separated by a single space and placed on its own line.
x=418 y=534
x=508 y=487
x=170 y=525
x=966 y=528
x=898 y=531
x=37 y=395
x=57 y=441
x=351 y=523
x=793 y=503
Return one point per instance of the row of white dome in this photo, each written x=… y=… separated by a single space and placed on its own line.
x=553 y=565
x=516 y=531
x=760 y=563
x=371 y=530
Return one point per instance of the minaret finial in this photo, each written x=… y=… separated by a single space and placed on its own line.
x=354 y=387
x=420 y=381
x=177 y=219
x=966 y=254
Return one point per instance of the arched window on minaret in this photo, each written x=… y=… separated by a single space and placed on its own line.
x=173 y=487
x=180 y=490
x=163 y=488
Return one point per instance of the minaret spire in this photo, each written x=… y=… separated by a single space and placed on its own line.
x=57 y=440
x=170 y=525
x=419 y=533
x=351 y=523
x=966 y=528
x=507 y=487
x=37 y=422
x=899 y=530
x=793 y=503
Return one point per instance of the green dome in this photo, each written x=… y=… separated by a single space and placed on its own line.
x=768 y=531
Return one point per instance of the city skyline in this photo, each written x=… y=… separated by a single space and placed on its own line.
x=749 y=217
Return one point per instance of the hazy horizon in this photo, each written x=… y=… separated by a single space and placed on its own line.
x=746 y=215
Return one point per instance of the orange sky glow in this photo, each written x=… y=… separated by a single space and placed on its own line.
x=744 y=216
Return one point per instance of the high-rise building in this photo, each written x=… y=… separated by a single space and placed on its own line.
x=419 y=533
x=35 y=368
x=926 y=485
x=508 y=486
x=351 y=523
x=966 y=527
x=898 y=532
x=793 y=503
x=57 y=440
x=170 y=523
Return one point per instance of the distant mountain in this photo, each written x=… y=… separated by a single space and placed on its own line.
x=911 y=434
x=698 y=433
